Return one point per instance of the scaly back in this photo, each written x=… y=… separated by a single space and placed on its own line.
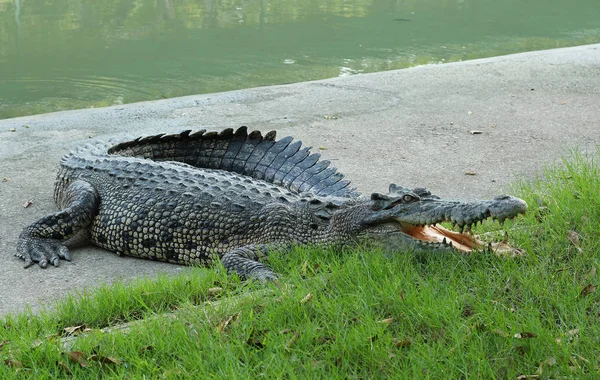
x=282 y=162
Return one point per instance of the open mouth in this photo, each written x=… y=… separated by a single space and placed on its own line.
x=418 y=216
x=437 y=236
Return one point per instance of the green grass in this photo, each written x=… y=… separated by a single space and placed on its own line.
x=354 y=314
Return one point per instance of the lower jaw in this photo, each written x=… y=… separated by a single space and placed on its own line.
x=436 y=235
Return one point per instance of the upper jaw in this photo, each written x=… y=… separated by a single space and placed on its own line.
x=432 y=211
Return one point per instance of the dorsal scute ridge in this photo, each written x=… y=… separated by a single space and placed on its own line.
x=283 y=162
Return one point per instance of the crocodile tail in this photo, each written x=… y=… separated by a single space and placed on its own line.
x=282 y=162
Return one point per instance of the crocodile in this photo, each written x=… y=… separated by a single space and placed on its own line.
x=193 y=198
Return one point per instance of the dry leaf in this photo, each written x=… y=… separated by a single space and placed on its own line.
x=471 y=172
x=330 y=117
x=13 y=363
x=12 y=129
x=78 y=357
x=304 y=269
x=574 y=238
x=105 y=359
x=525 y=377
x=502 y=333
x=324 y=339
x=214 y=291
x=171 y=373
x=146 y=349
x=525 y=335
x=292 y=341
x=37 y=343
x=475 y=132
x=467 y=311
x=589 y=289
x=591 y=274
x=386 y=321
x=306 y=298
x=64 y=367
x=255 y=342
x=4 y=179
x=404 y=343
x=27 y=204
x=316 y=364
x=75 y=330
x=222 y=325
x=110 y=360
x=548 y=363
x=3 y=343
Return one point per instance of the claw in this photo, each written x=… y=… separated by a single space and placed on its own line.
x=64 y=254
x=264 y=275
x=42 y=251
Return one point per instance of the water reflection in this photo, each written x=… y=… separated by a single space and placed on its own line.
x=18 y=15
x=81 y=53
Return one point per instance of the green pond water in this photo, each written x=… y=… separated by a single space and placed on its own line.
x=65 y=54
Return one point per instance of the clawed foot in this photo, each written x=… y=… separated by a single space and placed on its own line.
x=263 y=275
x=41 y=251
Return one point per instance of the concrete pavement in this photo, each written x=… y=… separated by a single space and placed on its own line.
x=411 y=127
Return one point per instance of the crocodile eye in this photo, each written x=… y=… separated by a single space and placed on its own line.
x=408 y=198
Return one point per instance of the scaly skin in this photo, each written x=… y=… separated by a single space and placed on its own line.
x=234 y=196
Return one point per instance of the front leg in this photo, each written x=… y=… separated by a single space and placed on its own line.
x=41 y=241
x=245 y=262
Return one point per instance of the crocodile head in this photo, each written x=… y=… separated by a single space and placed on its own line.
x=415 y=215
